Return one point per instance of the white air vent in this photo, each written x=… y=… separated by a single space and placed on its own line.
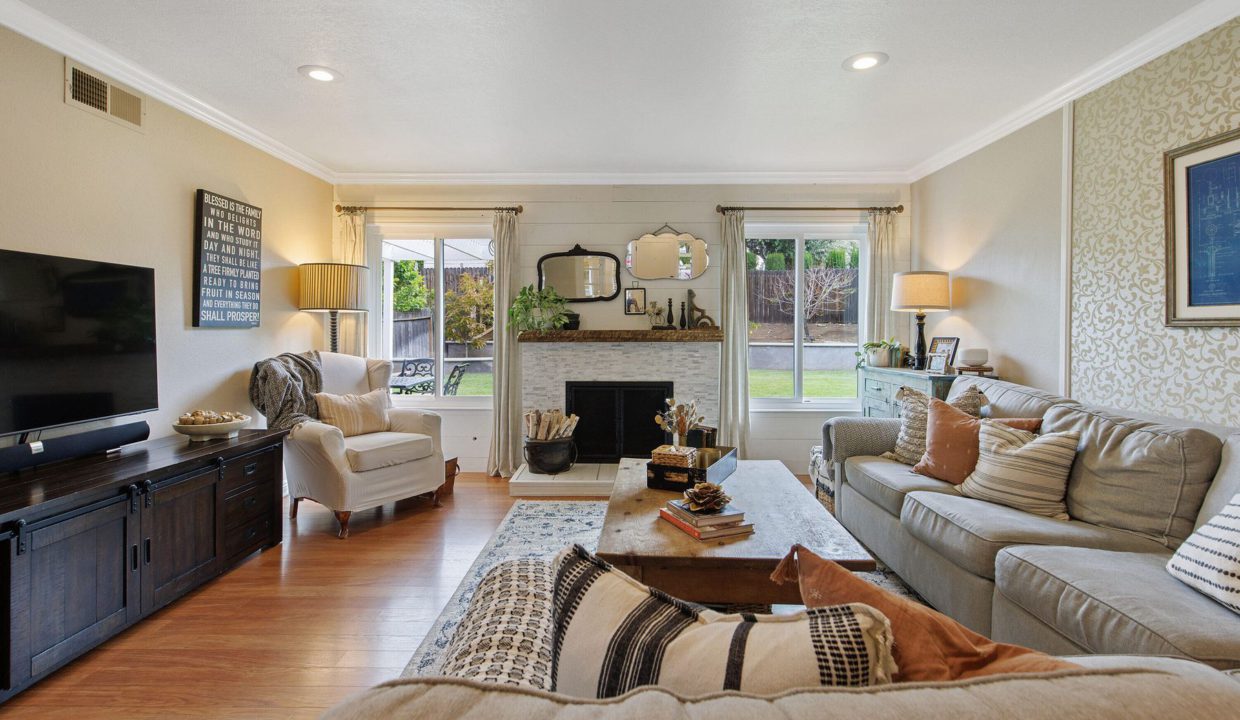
x=88 y=90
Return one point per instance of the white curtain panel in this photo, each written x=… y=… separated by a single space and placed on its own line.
x=734 y=363
x=503 y=458
x=351 y=248
x=880 y=322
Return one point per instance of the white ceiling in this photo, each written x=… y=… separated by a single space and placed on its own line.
x=562 y=89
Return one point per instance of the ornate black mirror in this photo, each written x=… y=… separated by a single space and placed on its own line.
x=580 y=275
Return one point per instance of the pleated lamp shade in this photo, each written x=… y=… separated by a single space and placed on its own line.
x=332 y=286
x=921 y=291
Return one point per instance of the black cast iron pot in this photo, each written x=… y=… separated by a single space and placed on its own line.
x=550 y=457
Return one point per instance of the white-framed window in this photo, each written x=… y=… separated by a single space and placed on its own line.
x=433 y=288
x=806 y=305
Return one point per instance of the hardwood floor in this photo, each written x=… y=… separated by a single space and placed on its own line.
x=293 y=630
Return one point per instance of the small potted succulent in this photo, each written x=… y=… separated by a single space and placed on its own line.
x=879 y=353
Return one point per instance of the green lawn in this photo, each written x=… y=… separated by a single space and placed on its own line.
x=762 y=384
x=476 y=384
x=818 y=383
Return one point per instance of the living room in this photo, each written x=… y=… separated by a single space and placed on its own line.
x=829 y=232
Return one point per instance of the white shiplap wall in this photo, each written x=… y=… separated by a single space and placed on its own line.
x=606 y=217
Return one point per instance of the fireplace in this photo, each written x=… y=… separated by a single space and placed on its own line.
x=617 y=418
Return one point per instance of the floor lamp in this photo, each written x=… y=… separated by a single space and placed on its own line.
x=921 y=291
x=332 y=288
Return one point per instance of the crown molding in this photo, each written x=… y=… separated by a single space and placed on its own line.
x=25 y=20
x=684 y=178
x=43 y=29
x=1166 y=37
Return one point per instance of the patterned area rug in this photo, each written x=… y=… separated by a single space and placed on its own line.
x=540 y=529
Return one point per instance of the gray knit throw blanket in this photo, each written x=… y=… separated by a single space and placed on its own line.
x=283 y=388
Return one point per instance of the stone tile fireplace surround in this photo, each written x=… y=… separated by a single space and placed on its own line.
x=689 y=359
x=691 y=364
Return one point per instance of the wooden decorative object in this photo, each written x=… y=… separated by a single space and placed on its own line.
x=698 y=316
x=978 y=370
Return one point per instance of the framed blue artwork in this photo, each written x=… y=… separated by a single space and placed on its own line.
x=1203 y=232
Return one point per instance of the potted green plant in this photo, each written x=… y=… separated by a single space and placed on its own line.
x=878 y=353
x=538 y=310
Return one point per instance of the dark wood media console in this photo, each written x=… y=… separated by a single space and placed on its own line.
x=92 y=546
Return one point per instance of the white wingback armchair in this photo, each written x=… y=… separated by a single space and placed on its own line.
x=347 y=474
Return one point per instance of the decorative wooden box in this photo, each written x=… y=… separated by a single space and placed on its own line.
x=711 y=465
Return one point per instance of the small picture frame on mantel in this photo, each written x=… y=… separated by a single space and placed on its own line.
x=635 y=301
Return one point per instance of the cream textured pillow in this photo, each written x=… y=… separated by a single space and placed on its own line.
x=1209 y=560
x=613 y=634
x=1022 y=470
x=911 y=443
x=355 y=414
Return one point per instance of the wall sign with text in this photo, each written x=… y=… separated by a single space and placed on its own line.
x=228 y=254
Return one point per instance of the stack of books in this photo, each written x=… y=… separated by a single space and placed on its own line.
x=729 y=522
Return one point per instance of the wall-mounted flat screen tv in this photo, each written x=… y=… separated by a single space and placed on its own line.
x=77 y=341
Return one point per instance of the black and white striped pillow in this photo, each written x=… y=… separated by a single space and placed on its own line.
x=1209 y=560
x=613 y=634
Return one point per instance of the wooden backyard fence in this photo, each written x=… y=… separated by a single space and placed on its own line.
x=765 y=285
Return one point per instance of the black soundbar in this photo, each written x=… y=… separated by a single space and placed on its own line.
x=68 y=447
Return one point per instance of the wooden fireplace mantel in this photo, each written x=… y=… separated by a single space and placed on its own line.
x=706 y=335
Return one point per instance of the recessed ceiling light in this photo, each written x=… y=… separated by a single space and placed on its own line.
x=865 y=61
x=318 y=72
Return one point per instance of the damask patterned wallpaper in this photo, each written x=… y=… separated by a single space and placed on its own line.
x=1122 y=354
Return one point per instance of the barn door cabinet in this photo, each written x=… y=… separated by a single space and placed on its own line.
x=111 y=540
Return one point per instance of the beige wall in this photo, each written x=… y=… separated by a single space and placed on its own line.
x=606 y=218
x=78 y=185
x=1122 y=354
x=992 y=220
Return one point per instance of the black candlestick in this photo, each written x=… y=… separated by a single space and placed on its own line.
x=671 y=317
x=684 y=319
x=920 y=363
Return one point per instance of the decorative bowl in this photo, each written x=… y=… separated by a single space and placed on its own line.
x=972 y=357
x=199 y=433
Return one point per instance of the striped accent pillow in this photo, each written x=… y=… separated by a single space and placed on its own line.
x=613 y=634
x=914 y=404
x=1023 y=470
x=355 y=414
x=1209 y=560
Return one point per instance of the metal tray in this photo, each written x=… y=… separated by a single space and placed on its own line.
x=713 y=465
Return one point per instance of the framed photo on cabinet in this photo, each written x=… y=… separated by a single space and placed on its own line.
x=1202 y=186
x=946 y=345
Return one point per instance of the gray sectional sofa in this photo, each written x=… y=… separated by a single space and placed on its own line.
x=1093 y=584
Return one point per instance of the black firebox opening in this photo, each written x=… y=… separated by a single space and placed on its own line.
x=617 y=418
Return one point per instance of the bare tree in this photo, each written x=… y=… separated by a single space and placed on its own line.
x=825 y=289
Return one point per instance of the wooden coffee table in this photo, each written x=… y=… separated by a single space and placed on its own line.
x=729 y=571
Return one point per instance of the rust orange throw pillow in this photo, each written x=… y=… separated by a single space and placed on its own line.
x=928 y=644
x=951 y=441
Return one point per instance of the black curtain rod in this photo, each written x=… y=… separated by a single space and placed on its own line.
x=889 y=209
x=362 y=208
